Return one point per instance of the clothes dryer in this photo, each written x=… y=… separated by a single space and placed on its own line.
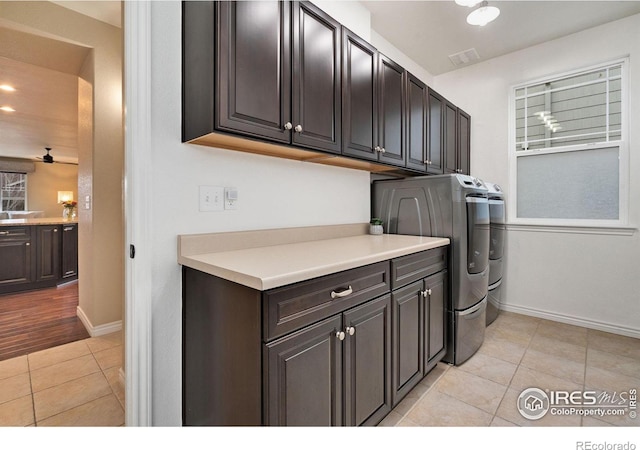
x=454 y=206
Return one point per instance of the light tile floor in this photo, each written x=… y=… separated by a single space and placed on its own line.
x=521 y=352
x=76 y=384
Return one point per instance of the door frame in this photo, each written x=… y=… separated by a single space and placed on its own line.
x=137 y=189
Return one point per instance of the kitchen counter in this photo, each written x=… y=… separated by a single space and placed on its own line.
x=267 y=267
x=36 y=221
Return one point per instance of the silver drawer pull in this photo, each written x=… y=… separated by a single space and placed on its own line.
x=350 y=331
x=67 y=228
x=3 y=233
x=341 y=294
x=340 y=335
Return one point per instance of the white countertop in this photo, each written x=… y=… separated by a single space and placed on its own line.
x=273 y=266
x=36 y=221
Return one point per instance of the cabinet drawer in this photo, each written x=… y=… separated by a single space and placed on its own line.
x=292 y=307
x=15 y=233
x=410 y=268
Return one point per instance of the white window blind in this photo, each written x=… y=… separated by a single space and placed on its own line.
x=568 y=143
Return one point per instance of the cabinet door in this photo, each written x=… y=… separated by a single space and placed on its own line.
x=450 y=138
x=359 y=99
x=416 y=124
x=316 y=96
x=16 y=256
x=391 y=108
x=253 y=84
x=408 y=340
x=48 y=253
x=435 y=132
x=464 y=142
x=304 y=377
x=367 y=356
x=435 y=319
x=69 y=258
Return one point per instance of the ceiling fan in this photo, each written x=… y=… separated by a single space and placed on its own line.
x=48 y=159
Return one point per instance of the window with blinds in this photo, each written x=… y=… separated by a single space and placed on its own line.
x=568 y=139
x=578 y=109
x=13 y=191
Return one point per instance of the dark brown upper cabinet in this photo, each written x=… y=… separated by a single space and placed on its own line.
x=463 y=149
x=284 y=79
x=436 y=147
x=416 y=122
x=359 y=97
x=391 y=112
x=253 y=80
x=450 y=135
x=317 y=97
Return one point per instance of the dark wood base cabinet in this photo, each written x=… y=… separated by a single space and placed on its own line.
x=299 y=356
x=37 y=256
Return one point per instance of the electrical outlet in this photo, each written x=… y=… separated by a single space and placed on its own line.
x=211 y=198
x=230 y=198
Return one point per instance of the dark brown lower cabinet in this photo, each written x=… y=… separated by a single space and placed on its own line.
x=418 y=316
x=338 y=365
x=16 y=258
x=69 y=253
x=305 y=370
x=48 y=259
x=37 y=256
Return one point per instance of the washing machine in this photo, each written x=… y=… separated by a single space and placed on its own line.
x=496 y=249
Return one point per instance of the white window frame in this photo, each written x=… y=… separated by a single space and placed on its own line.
x=26 y=192
x=623 y=144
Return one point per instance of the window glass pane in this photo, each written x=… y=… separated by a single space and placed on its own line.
x=553 y=185
x=13 y=191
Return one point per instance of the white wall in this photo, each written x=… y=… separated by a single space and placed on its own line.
x=272 y=192
x=586 y=279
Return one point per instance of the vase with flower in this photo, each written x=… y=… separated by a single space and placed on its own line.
x=69 y=209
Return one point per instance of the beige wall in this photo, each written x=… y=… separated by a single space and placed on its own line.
x=100 y=170
x=43 y=186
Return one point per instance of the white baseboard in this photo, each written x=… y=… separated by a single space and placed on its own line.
x=572 y=320
x=99 y=330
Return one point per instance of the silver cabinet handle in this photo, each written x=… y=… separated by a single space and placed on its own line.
x=3 y=233
x=382 y=150
x=288 y=126
x=350 y=331
x=55 y=230
x=427 y=161
x=67 y=229
x=298 y=128
x=425 y=293
x=341 y=294
x=27 y=244
x=377 y=148
x=340 y=335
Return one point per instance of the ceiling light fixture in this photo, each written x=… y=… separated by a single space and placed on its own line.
x=7 y=109
x=483 y=14
x=6 y=87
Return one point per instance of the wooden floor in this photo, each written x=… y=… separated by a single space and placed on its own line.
x=37 y=320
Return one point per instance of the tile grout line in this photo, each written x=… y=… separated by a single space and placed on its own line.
x=33 y=400
x=447 y=367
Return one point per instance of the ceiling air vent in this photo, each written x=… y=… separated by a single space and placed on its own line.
x=464 y=57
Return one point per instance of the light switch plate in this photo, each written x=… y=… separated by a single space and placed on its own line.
x=211 y=198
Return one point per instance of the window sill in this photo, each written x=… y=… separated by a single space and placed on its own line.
x=573 y=229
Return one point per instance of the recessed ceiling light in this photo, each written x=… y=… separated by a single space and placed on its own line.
x=7 y=109
x=6 y=87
